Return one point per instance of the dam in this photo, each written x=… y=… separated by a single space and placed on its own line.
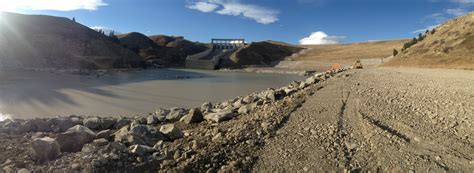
x=210 y=59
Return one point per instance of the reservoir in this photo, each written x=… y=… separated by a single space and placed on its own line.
x=32 y=94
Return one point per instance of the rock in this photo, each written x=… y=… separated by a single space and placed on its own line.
x=171 y=131
x=249 y=99
x=141 y=150
x=92 y=123
x=107 y=123
x=106 y=134
x=100 y=142
x=139 y=120
x=74 y=138
x=246 y=109
x=220 y=116
x=121 y=134
x=206 y=107
x=117 y=146
x=151 y=120
x=194 y=116
x=36 y=125
x=23 y=170
x=237 y=104
x=122 y=122
x=62 y=124
x=44 y=149
x=76 y=166
x=162 y=112
x=175 y=114
x=139 y=130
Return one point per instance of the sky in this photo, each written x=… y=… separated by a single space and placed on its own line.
x=292 y=21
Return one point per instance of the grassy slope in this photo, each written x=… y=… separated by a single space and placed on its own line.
x=451 y=46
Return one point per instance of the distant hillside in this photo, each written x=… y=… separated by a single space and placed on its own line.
x=176 y=49
x=260 y=53
x=349 y=53
x=141 y=45
x=38 y=41
x=450 y=46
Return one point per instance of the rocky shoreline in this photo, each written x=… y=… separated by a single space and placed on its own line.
x=215 y=137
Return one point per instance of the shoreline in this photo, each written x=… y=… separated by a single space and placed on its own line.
x=174 y=125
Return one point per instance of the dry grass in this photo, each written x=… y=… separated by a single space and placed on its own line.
x=349 y=53
x=451 y=46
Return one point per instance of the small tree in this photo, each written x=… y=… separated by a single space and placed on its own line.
x=421 y=37
x=395 y=52
x=73 y=19
x=433 y=31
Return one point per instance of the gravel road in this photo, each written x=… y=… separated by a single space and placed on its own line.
x=380 y=119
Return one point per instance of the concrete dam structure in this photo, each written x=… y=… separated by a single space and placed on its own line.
x=209 y=59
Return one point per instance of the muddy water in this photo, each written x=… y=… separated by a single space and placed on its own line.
x=45 y=94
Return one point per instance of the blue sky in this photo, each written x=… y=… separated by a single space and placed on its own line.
x=293 y=21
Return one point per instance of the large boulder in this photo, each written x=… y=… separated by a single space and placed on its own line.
x=171 y=131
x=194 y=116
x=107 y=123
x=44 y=149
x=220 y=116
x=92 y=123
x=122 y=122
x=151 y=120
x=175 y=114
x=75 y=138
x=62 y=124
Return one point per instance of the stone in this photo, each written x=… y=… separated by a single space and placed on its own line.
x=100 y=142
x=249 y=99
x=44 y=149
x=206 y=107
x=162 y=112
x=171 y=131
x=141 y=150
x=246 y=109
x=91 y=123
x=139 y=130
x=106 y=134
x=62 y=124
x=76 y=166
x=122 y=122
x=139 y=120
x=36 y=125
x=175 y=114
x=121 y=134
x=238 y=103
x=220 y=116
x=75 y=138
x=151 y=120
x=107 y=123
x=194 y=116
x=117 y=146
x=23 y=170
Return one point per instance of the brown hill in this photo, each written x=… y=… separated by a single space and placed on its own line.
x=260 y=53
x=38 y=41
x=349 y=53
x=176 y=49
x=450 y=46
x=141 y=45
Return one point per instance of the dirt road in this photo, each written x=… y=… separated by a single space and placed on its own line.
x=380 y=119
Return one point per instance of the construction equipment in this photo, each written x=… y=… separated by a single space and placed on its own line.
x=358 y=65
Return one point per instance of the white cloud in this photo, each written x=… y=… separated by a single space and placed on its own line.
x=58 y=5
x=236 y=8
x=456 y=11
x=424 y=29
x=321 y=37
x=463 y=1
x=203 y=6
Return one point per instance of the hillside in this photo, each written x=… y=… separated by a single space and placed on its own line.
x=141 y=45
x=349 y=53
x=38 y=41
x=176 y=49
x=260 y=53
x=450 y=46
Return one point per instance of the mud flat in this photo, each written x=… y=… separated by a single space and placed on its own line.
x=26 y=94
